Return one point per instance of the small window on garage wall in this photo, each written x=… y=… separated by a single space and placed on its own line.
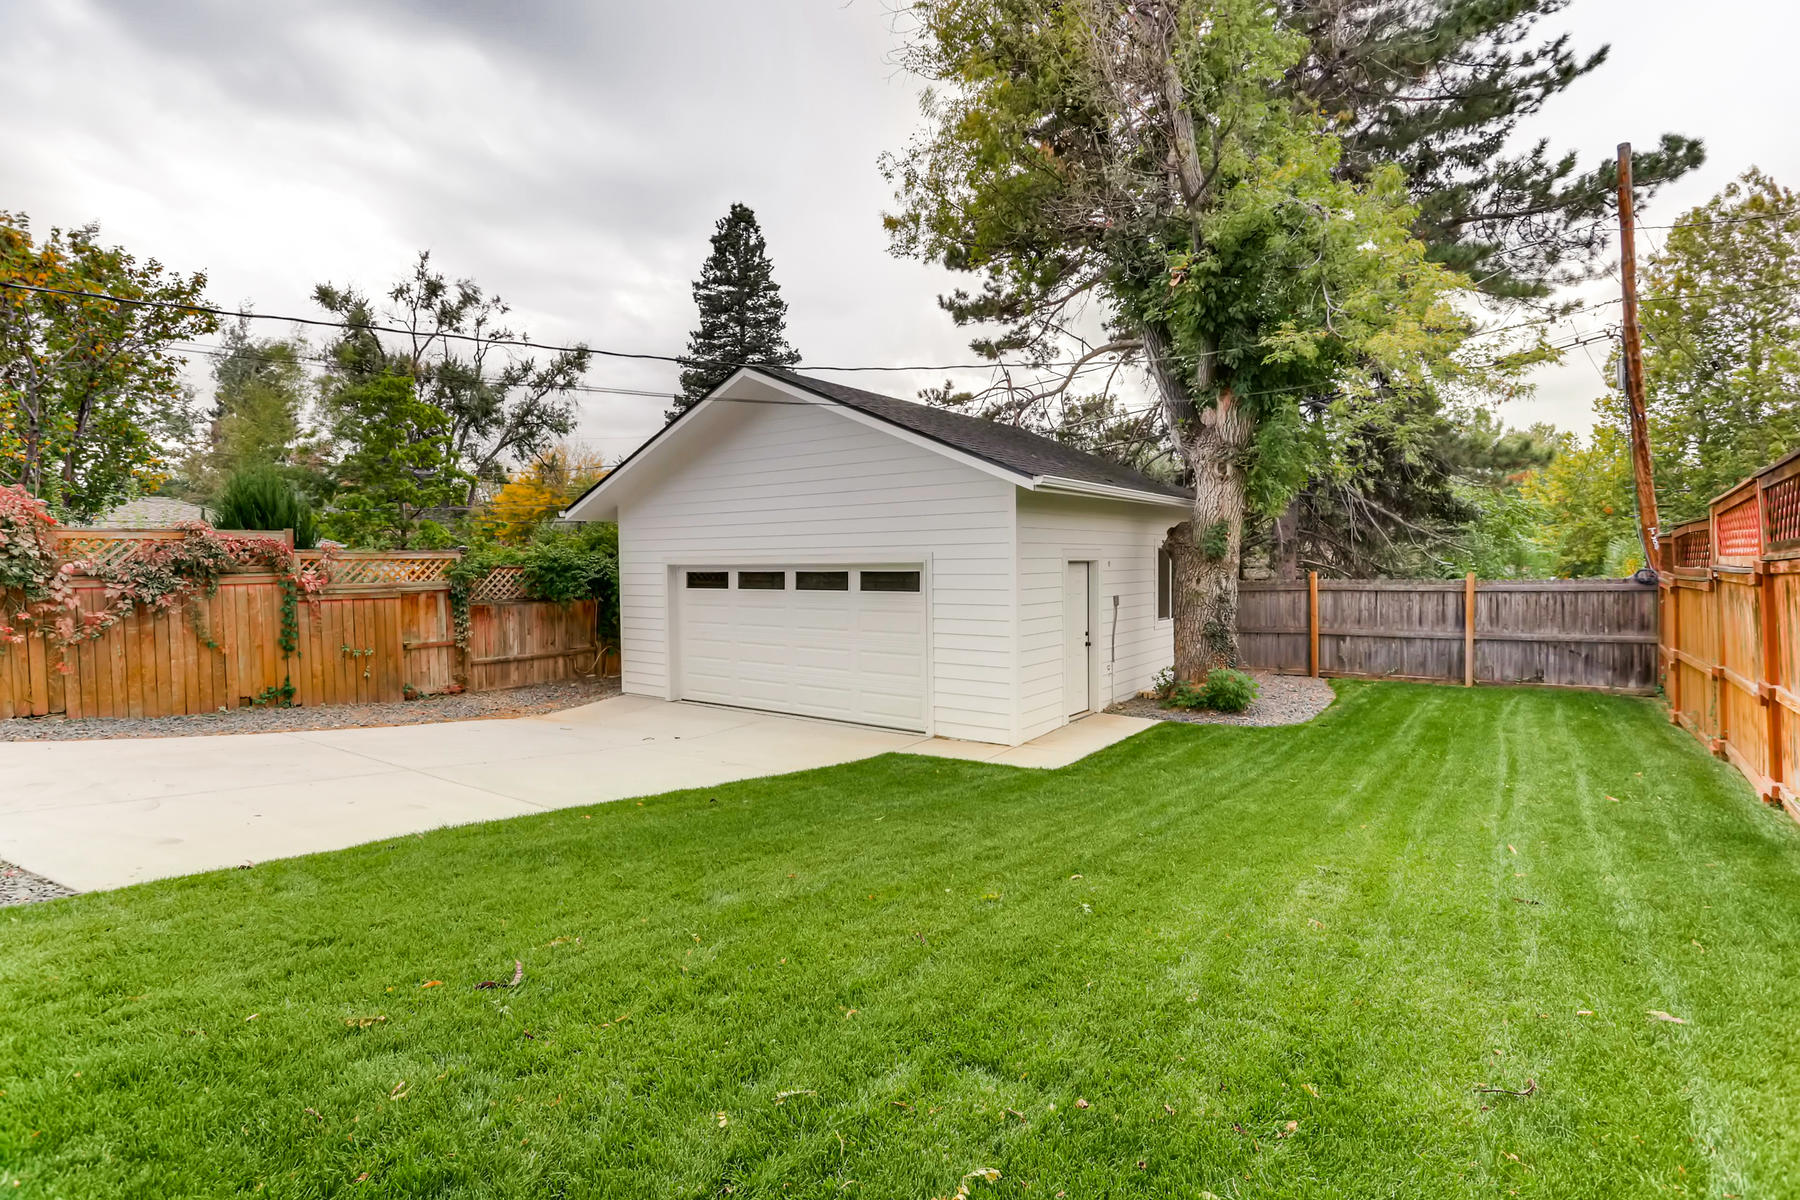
x=890 y=581
x=1165 y=584
x=762 y=581
x=708 y=579
x=822 y=581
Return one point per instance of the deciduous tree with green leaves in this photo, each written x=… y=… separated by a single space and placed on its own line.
x=400 y=462
x=502 y=405
x=1720 y=313
x=743 y=318
x=92 y=403
x=1147 y=159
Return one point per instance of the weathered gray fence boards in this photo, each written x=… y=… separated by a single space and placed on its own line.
x=1568 y=633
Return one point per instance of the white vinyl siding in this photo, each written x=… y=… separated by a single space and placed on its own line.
x=1120 y=539
x=802 y=485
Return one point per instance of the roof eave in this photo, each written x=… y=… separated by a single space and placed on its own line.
x=1059 y=485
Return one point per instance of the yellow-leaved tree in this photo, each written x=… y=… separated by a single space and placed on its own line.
x=538 y=492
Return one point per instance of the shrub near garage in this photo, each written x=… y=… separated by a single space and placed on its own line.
x=1225 y=690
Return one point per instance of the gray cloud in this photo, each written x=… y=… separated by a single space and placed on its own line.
x=574 y=157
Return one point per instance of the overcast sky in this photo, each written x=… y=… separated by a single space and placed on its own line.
x=573 y=158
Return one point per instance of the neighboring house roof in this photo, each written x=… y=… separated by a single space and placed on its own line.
x=148 y=512
x=1034 y=461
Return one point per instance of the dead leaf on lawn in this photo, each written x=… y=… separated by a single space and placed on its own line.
x=400 y=1092
x=518 y=977
x=723 y=1119
x=1080 y=1103
x=252 y=1016
x=1311 y=1090
x=365 y=1022
x=1658 y=1014
x=984 y=1174
x=431 y=983
x=1695 y=942
x=1529 y=1089
x=1315 y=923
x=1512 y=849
x=784 y=1097
x=1584 y=1012
x=1289 y=1130
x=313 y=1112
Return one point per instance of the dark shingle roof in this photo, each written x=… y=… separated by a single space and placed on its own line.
x=1003 y=445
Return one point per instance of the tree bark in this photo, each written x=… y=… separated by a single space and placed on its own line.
x=1204 y=551
x=1285 y=552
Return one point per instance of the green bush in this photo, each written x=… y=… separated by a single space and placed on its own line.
x=1225 y=690
x=562 y=565
x=261 y=498
x=1228 y=691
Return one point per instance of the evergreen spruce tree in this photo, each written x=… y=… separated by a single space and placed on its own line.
x=742 y=314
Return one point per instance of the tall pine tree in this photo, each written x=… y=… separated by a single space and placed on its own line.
x=742 y=315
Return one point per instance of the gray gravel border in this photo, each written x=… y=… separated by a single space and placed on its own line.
x=1280 y=700
x=19 y=886
x=464 y=706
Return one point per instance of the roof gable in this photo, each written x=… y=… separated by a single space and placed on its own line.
x=1027 y=459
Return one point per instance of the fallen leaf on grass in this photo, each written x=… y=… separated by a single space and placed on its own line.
x=518 y=977
x=1512 y=848
x=400 y=1091
x=1080 y=1103
x=1584 y=1012
x=1695 y=942
x=1169 y=1109
x=252 y=1016
x=1529 y=1088
x=313 y=1112
x=1289 y=1130
x=1659 y=1015
x=1311 y=1090
x=365 y=1022
x=723 y=1119
x=986 y=1174
x=1316 y=924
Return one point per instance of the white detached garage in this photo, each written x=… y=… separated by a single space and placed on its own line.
x=798 y=546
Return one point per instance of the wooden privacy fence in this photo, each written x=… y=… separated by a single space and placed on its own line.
x=382 y=628
x=1585 y=633
x=1730 y=646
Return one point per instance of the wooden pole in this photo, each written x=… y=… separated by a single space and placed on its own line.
x=1469 y=630
x=1312 y=624
x=1642 y=469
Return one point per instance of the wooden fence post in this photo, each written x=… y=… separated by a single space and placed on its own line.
x=1312 y=623
x=1469 y=630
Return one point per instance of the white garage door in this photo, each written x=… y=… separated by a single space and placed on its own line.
x=846 y=643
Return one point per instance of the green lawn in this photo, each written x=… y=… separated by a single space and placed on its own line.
x=1250 y=962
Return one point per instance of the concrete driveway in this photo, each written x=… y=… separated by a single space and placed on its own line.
x=103 y=814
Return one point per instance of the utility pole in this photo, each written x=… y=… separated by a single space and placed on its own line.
x=1642 y=471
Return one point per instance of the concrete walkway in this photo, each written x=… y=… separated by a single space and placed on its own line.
x=103 y=814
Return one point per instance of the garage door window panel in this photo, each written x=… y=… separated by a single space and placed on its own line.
x=822 y=581
x=890 y=581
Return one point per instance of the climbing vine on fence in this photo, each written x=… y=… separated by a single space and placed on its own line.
x=37 y=595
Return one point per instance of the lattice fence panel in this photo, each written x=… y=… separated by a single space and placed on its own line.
x=1781 y=501
x=1693 y=549
x=353 y=569
x=500 y=585
x=1738 y=535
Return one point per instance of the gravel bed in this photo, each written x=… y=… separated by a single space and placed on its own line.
x=465 y=706
x=1280 y=700
x=19 y=886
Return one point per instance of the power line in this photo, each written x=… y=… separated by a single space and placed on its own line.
x=517 y=343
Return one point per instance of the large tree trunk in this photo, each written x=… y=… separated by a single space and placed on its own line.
x=1204 y=550
x=1284 y=549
